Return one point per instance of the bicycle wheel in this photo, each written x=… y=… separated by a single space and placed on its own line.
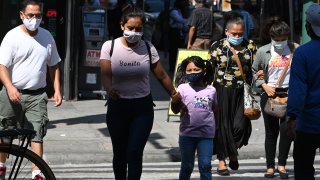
x=27 y=157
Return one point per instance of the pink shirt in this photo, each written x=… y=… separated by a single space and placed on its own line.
x=199 y=121
x=130 y=67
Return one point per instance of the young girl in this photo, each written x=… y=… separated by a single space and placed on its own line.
x=196 y=106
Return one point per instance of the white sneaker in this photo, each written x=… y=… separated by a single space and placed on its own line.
x=37 y=175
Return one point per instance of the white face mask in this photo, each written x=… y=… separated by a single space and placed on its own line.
x=32 y=24
x=279 y=44
x=131 y=36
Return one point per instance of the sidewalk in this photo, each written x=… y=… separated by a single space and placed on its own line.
x=77 y=132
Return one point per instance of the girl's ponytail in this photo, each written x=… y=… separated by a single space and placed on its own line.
x=208 y=77
x=181 y=74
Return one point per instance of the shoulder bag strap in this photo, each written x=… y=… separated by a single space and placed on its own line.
x=235 y=55
x=149 y=52
x=285 y=68
x=112 y=46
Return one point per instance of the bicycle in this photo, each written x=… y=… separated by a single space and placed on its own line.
x=19 y=156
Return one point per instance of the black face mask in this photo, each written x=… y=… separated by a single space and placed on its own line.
x=194 y=77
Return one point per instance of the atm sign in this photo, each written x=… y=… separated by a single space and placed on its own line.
x=93 y=53
x=92 y=57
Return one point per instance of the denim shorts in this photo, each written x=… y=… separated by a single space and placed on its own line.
x=31 y=113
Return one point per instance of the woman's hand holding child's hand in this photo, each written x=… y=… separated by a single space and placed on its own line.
x=176 y=97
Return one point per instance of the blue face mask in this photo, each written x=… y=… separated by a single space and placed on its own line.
x=194 y=77
x=235 y=41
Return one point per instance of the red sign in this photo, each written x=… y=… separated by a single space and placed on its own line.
x=92 y=58
x=52 y=13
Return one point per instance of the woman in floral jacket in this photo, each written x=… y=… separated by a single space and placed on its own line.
x=233 y=128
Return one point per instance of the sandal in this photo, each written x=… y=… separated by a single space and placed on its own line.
x=283 y=174
x=269 y=173
x=223 y=172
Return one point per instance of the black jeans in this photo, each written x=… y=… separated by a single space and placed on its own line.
x=129 y=123
x=272 y=127
x=304 y=151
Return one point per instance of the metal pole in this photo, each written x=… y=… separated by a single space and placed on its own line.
x=143 y=5
x=291 y=19
x=66 y=73
x=261 y=18
x=77 y=50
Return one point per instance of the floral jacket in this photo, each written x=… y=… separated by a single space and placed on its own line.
x=226 y=69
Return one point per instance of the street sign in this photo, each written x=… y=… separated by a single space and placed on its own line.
x=92 y=57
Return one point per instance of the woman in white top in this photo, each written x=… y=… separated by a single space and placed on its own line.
x=272 y=59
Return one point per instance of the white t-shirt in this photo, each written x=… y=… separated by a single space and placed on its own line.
x=27 y=57
x=276 y=66
x=130 y=67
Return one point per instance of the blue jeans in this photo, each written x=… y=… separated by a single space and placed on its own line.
x=188 y=147
x=129 y=123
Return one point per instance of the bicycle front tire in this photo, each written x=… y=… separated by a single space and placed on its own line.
x=18 y=152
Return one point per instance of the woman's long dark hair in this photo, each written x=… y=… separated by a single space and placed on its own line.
x=200 y=63
x=131 y=11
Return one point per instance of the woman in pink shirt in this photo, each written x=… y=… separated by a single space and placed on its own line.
x=125 y=66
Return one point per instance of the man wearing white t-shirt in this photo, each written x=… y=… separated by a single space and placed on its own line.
x=25 y=53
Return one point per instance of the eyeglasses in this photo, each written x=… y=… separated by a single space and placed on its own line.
x=31 y=16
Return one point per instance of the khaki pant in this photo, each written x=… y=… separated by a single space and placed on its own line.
x=31 y=113
x=201 y=44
